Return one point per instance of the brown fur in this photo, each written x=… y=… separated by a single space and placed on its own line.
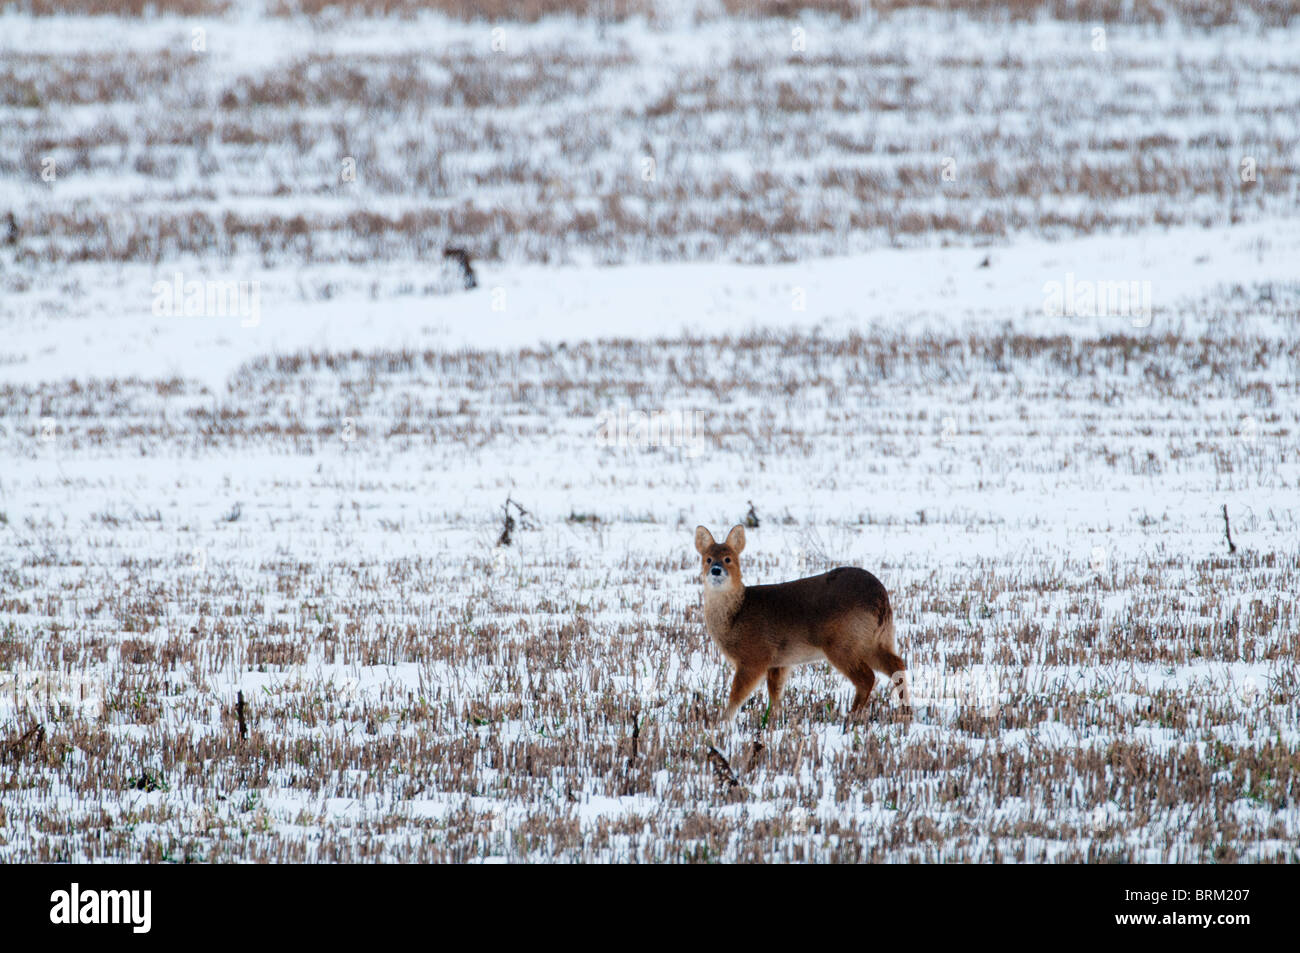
x=842 y=616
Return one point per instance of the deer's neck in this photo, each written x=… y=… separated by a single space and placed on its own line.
x=720 y=608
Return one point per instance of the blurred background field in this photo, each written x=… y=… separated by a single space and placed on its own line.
x=259 y=599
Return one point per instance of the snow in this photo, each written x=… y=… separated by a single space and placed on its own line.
x=919 y=291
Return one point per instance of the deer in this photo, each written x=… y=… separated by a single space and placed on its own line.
x=842 y=616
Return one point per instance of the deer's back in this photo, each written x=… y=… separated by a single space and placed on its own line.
x=804 y=608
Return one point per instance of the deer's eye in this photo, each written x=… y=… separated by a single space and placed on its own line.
x=728 y=560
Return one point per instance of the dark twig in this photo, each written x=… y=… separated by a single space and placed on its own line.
x=508 y=522
x=239 y=711
x=1227 y=531
x=20 y=745
x=461 y=257
x=722 y=767
x=636 y=738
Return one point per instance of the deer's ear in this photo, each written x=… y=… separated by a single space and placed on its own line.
x=703 y=539
x=736 y=538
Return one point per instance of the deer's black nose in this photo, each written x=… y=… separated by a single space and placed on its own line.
x=716 y=570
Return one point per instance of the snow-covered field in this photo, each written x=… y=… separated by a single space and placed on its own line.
x=1026 y=398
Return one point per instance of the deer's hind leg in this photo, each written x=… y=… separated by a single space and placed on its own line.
x=853 y=662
